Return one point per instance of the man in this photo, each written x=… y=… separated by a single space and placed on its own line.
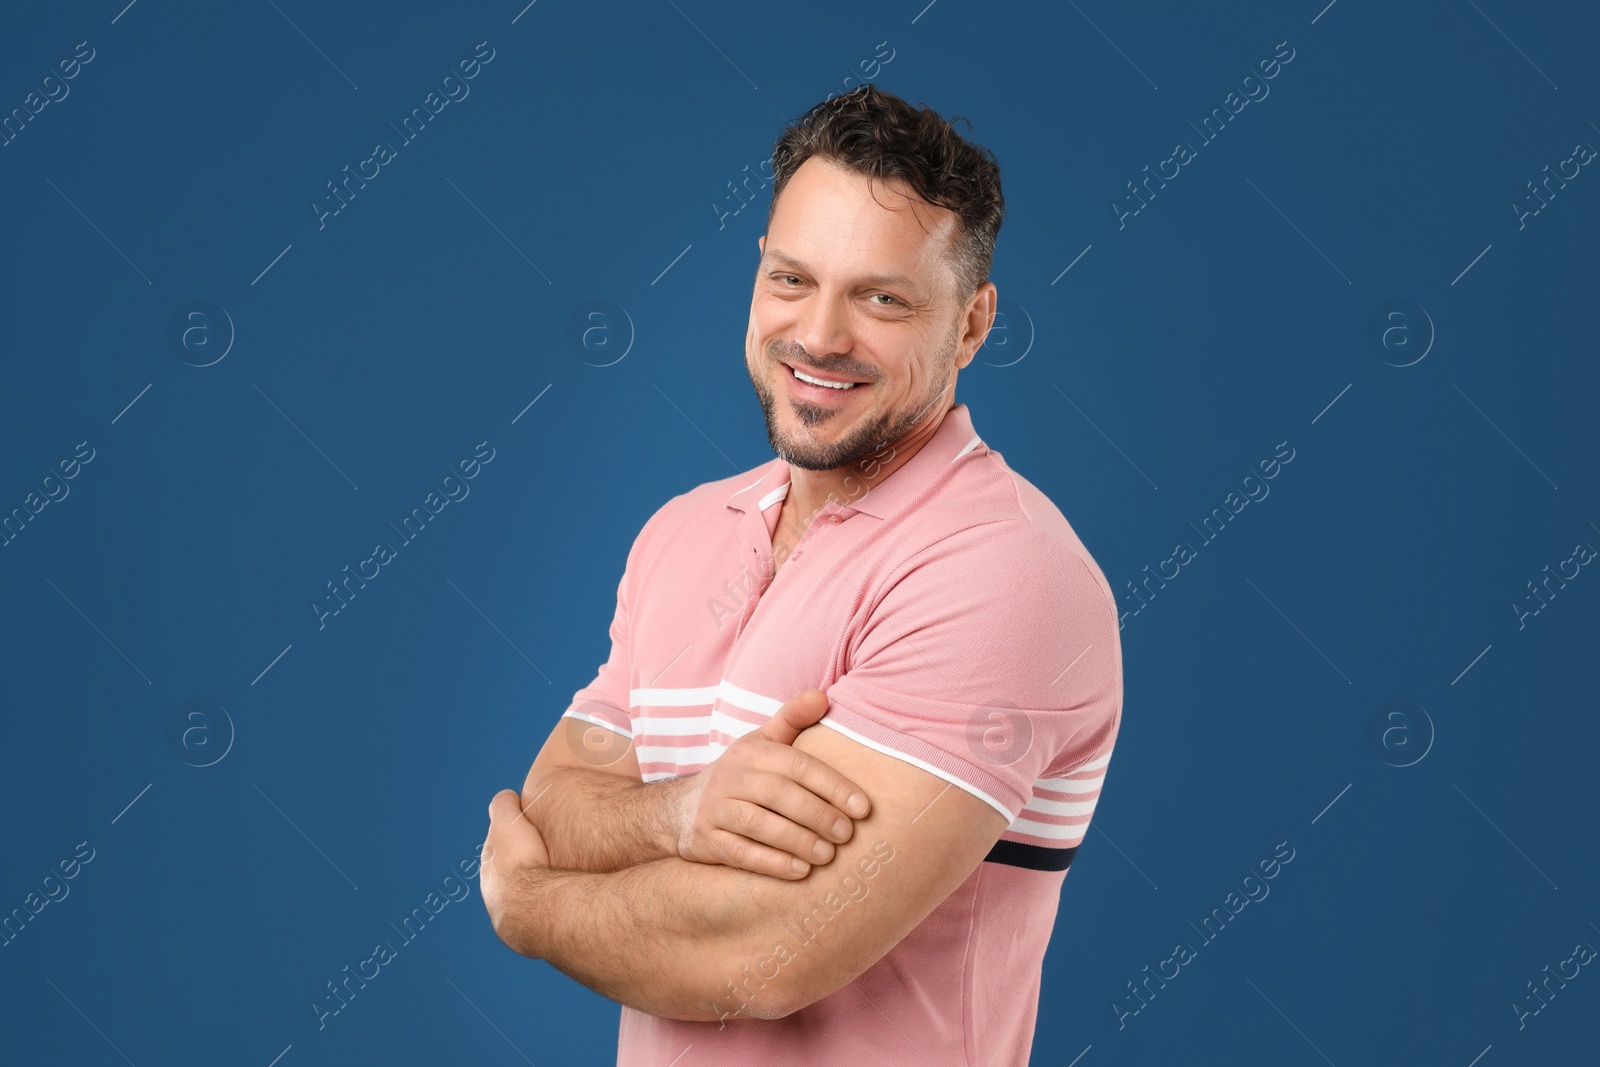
x=752 y=884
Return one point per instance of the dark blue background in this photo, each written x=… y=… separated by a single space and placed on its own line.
x=587 y=164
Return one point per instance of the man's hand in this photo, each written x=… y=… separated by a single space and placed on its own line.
x=766 y=807
x=512 y=848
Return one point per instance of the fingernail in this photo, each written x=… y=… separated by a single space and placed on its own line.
x=799 y=866
x=821 y=851
x=857 y=805
x=841 y=829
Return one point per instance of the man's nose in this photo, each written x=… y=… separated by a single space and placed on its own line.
x=823 y=328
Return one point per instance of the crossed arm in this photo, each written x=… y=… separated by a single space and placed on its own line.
x=707 y=942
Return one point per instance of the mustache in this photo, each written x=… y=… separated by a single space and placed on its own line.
x=796 y=356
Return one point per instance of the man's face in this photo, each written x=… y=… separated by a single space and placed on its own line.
x=852 y=289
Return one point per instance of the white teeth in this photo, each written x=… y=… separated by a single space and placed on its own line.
x=818 y=381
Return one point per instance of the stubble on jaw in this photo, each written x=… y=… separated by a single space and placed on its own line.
x=865 y=440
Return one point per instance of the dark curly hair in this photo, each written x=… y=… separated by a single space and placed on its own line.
x=879 y=135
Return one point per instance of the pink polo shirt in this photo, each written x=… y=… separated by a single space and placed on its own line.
x=957 y=623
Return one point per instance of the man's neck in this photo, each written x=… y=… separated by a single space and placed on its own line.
x=810 y=491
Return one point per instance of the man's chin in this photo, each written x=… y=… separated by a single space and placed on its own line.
x=812 y=446
x=805 y=455
x=802 y=448
x=807 y=461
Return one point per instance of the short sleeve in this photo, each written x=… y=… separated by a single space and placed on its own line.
x=606 y=701
x=992 y=660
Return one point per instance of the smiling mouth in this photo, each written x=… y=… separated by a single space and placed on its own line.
x=819 y=382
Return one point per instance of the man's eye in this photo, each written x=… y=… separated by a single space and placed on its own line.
x=887 y=297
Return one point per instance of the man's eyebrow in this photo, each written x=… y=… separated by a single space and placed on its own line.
x=891 y=280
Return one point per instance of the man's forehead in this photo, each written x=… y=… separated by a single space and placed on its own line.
x=822 y=196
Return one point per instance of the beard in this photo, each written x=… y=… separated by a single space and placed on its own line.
x=866 y=439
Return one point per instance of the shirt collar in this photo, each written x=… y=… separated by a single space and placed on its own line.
x=953 y=439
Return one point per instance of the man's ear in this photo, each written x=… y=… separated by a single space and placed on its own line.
x=761 y=243
x=980 y=319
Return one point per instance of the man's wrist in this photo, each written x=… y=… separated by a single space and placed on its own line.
x=519 y=925
x=672 y=820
